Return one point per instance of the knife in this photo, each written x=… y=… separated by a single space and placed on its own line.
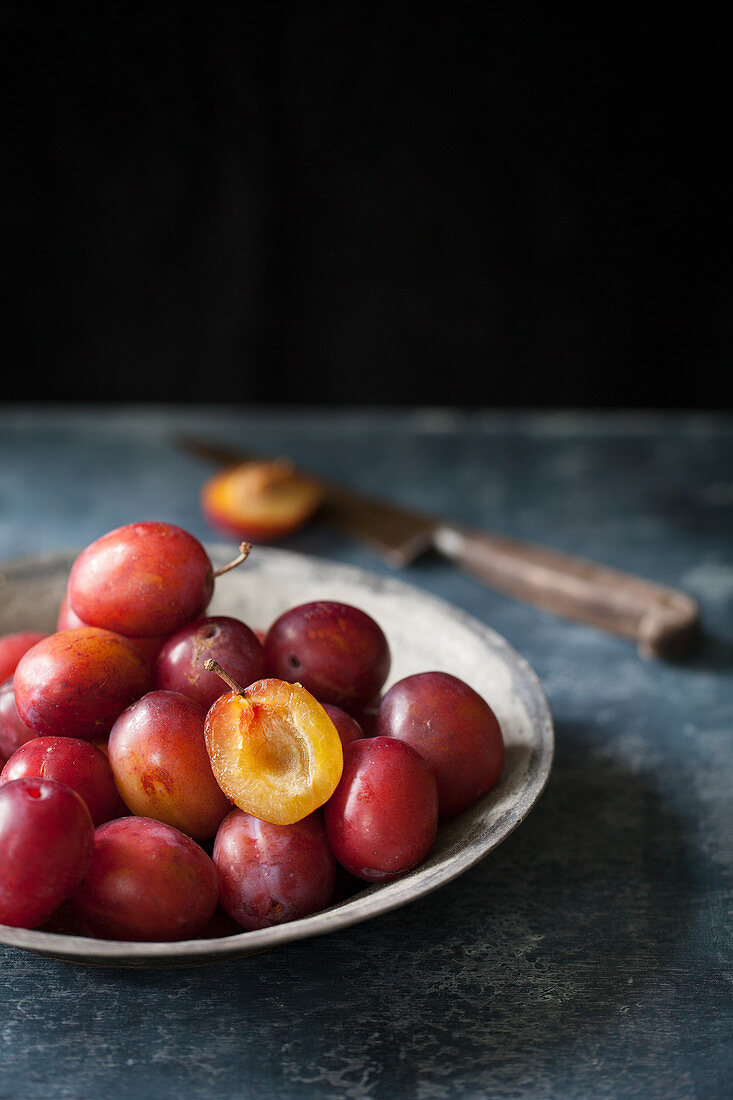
x=662 y=621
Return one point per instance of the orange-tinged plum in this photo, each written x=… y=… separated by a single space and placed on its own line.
x=261 y=501
x=454 y=730
x=336 y=651
x=146 y=882
x=161 y=767
x=270 y=874
x=78 y=764
x=142 y=580
x=76 y=682
x=13 y=647
x=69 y=620
x=274 y=751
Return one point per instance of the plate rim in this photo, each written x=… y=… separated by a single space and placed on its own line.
x=375 y=899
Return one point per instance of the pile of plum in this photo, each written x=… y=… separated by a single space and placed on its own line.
x=160 y=763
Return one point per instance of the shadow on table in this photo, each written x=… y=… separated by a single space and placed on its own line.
x=543 y=946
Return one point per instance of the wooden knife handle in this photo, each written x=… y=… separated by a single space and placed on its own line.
x=662 y=621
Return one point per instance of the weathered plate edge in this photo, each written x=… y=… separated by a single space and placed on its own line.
x=374 y=900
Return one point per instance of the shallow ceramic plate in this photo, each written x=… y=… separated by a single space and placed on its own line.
x=424 y=633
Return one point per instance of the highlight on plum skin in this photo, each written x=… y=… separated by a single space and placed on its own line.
x=142 y=580
x=383 y=817
x=46 y=841
x=78 y=764
x=336 y=651
x=270 y=874
x=146 y=882
x=76 y=682
x=274 y=750
x=180 y=665
x=13 y=647
x=13 y=730
x=453 y=728
x=161 y=767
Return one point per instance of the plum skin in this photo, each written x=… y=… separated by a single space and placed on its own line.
x=13 y=730
x=180 y=663
x=13 y=647
x=161 y=767
x=453 y=728
x=146 y=882
x=270 y=874
x=46 y=841
x=141 y=580
x=382 y=818
x=347 y=727
x=336 y=651
x=79 y=764
x=69 y=620
x=76 y=682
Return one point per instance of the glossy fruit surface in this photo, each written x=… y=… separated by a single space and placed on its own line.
x=142 y=580
x=274 y=750
x=69 y=620
x=453 y=729
x=261 y=501
x=161 y=767
x=75 y=683
x=180 y=663
x=270 y=874
x=12 y=648
x=46 y=838
x=336 y=651
x=13 y=730
x=146 y=882
x=347 y=727
x=383 y=816
x=78 y=764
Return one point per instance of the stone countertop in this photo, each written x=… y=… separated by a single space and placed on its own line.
x=588 y=956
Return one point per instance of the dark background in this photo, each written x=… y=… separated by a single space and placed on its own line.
x=372 y=203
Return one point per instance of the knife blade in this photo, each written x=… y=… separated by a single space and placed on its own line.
x=664 y=622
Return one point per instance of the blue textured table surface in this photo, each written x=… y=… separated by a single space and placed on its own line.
x=588 y=956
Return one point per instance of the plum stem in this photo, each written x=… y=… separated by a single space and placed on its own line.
x=213 y=666
x=244 y=549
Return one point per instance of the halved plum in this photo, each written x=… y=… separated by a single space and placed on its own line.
x=261 y=501
x=273 y=749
